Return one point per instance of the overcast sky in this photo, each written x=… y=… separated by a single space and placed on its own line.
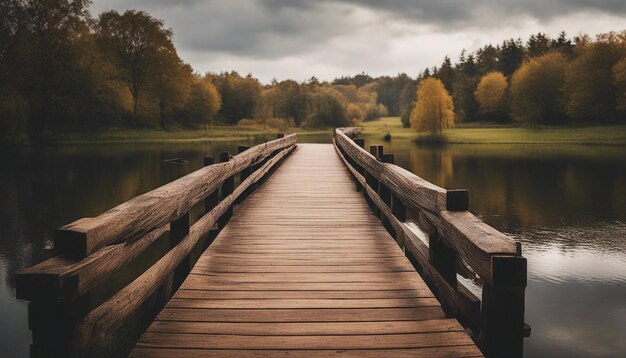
x=298 y=39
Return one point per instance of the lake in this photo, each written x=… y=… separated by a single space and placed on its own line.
x=565 y=203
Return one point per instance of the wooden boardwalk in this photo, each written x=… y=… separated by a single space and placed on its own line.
x=304 y=268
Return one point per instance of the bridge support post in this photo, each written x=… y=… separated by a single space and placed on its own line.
x=372 y=182
x=178 y=230
x=397 y=208
x=443 y=258
x=209 y=203
x=502 y=331
x=361 y=143
x=227 y=188
x=385 y=193
x=243 y=175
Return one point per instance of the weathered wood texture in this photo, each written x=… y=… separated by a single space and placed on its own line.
x=453 y=238
x=107 y=317
x=304 y=268
x=146 y=212
x=60 y=288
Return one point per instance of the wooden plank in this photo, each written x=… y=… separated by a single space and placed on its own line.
x=427 y=352
x=385 y=341
x=304 y=303
x=307 y=329
x=476 y=240
x=346 y=294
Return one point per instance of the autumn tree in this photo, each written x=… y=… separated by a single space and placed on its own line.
x=491 y=94
x=138 y=44
x=204 y=102
x=434 y=109
x=239 y=96
x=329 y=109
x=589 y=85
x=536 y=95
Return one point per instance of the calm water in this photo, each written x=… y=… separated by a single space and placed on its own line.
x=566 y=204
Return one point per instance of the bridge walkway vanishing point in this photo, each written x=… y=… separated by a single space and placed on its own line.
x=305 y=268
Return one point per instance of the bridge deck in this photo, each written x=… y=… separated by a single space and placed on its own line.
x=304 y=268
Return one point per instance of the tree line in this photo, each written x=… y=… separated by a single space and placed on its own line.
x=63 y=69
x=544 y=81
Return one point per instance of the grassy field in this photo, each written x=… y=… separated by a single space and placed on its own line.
x=489 y=133
x=145 y=135
x=464 y=133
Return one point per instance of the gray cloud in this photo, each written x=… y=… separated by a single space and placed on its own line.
x=335 y=37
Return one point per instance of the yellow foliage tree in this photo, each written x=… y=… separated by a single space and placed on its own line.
x=434 y=109
x=491 y=93
x=204 y=102
x=536 y=90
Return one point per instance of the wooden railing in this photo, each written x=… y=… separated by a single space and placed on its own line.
x=446 y=241
x=63 y=317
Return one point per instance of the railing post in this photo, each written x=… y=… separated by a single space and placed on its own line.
x=397 y=208
x=227 y=188
x=361 y=143
x=502 y=331
x=372 y=182
x=209 y=203
x=245 y=173
x=385 y=193
x=443 y=258
x=211 y=200
x=178 y=230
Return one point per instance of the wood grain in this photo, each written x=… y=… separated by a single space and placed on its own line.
x=304 y=268
x=146 y=212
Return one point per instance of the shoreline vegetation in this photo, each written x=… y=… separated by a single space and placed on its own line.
x=463 y=133
x=69 y=76
x=495 y=133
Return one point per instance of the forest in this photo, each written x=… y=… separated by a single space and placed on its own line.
x=63 y=69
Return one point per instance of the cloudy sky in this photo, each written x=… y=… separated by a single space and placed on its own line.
x=329 y=38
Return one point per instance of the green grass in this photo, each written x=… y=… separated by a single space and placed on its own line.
x=483 y=133
x=146 y=135
x=494 y=133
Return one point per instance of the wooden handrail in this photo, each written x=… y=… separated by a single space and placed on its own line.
x=91 y=249
x=107 y=317
x=455 y=237
x=146 y=212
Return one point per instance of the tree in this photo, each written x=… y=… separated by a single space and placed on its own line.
x=137 y=43
x=589 y=86
x=538 y=45
x=239 y=96
x=171 y=84
x=511 y=56
x=487 y=59
x=434 y=109
x=491 y=94
x=446 y=73
x=44 y=58
x=204 y=102
x=465 y=104
x=536 y=90
x=329 y=109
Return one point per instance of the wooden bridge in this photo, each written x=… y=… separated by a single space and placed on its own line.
x=316 y=261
